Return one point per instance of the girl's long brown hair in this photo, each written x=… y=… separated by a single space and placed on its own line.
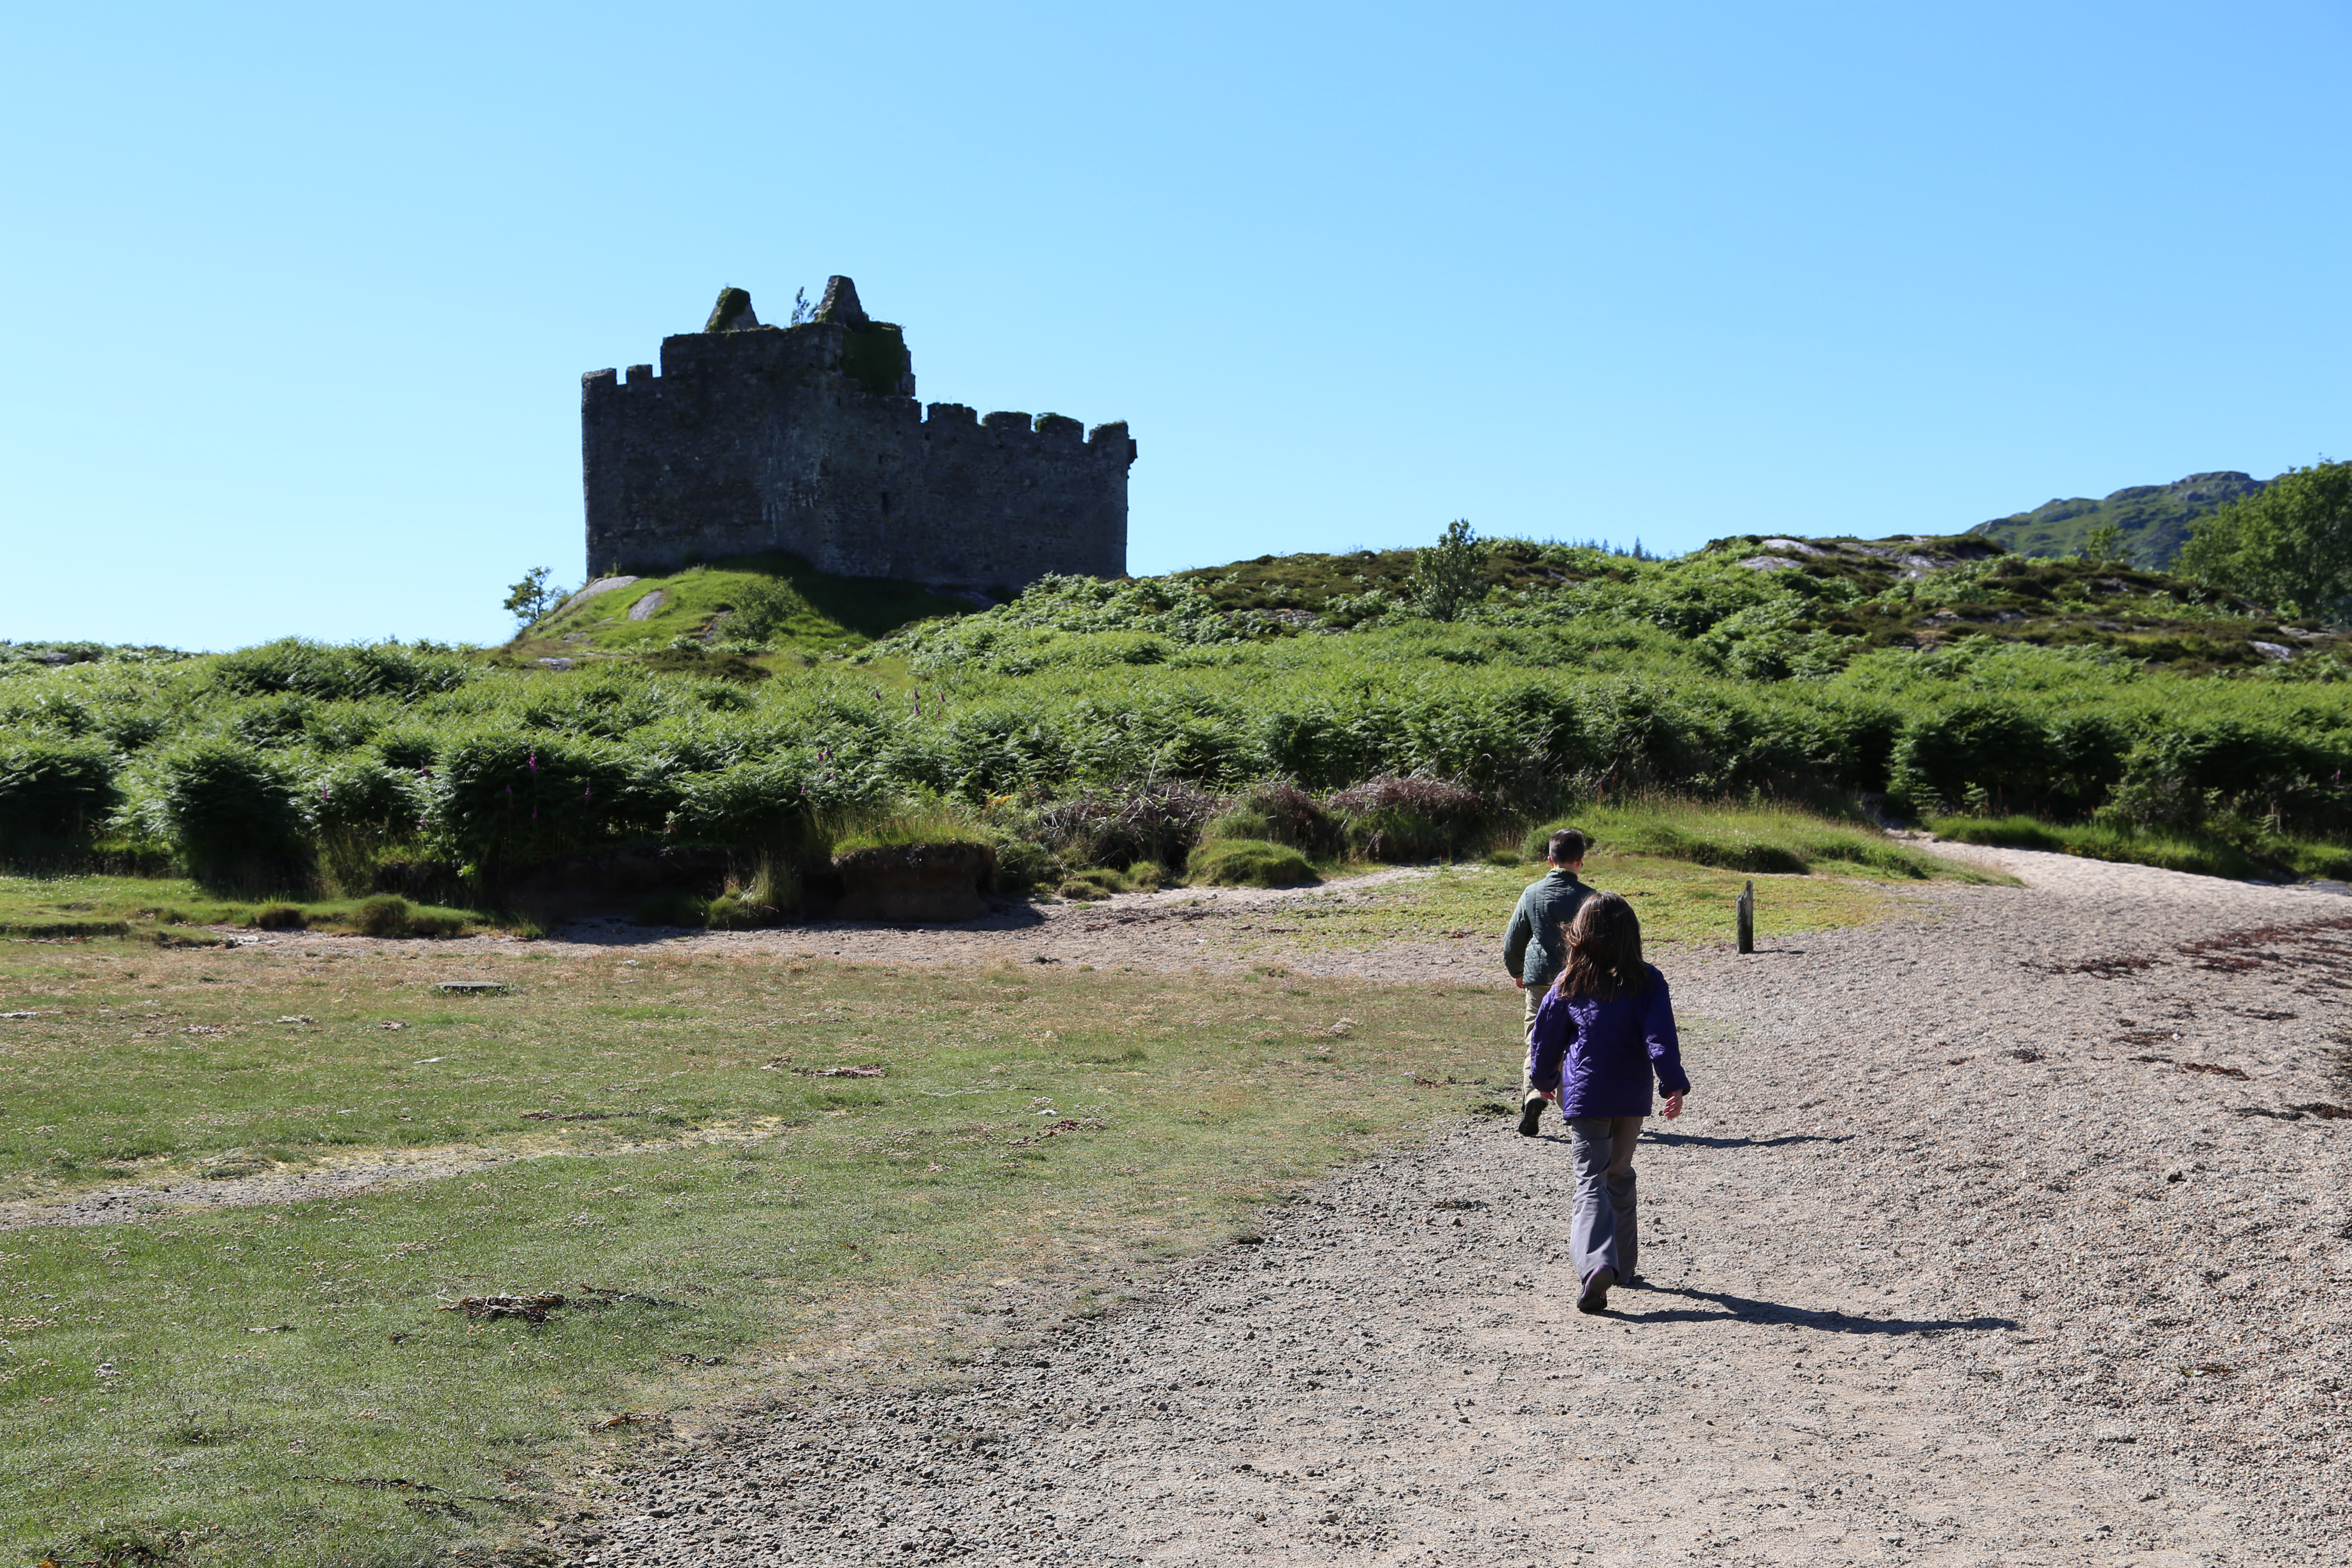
x=1604 y=952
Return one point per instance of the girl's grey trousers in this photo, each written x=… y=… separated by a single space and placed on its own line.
x=1604 y=1230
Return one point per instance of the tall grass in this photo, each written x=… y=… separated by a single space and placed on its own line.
x=911 y=821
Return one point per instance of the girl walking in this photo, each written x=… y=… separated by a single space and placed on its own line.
x=1600 y=1032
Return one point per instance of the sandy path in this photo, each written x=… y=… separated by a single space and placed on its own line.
x=1910 y=1297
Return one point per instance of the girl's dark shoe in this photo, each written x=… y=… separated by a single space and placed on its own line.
x=1530 y=1113
x=1596 y=1290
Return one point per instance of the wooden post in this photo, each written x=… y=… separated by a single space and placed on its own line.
x=1748 y=917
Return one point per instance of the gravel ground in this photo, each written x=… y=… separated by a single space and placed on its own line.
x=1993 y=1236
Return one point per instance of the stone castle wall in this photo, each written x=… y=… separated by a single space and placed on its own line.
x=802 y=439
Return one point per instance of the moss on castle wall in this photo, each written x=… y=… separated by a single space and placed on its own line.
x=874 y=356
x=732 y=302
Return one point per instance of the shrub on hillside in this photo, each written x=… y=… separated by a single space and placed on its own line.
x=236 y=817
x=1022 y=864
x=277 y=719
x=56 y=713
x=505 y=801
x=370 y=801
x=762 y=607
x=53 y=796
x=1986 y=749
x=1284 y=814
x=1409 y=818
x=1583 y=677
x=362 y=808
x=2231 y=777
x=1157 y=822
x=756 y=805
x=409 y=751
x=1451 y=574
x=334 y=672
x=607 y=705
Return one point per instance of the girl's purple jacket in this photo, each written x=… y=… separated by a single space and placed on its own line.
x=1599 y=1055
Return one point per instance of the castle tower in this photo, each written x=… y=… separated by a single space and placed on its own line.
x=808 y=439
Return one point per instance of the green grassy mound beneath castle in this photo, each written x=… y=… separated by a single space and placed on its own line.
x=745 y=607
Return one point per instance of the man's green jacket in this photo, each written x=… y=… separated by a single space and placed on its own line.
x=1533 y=948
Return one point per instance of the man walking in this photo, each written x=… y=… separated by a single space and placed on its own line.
x=1534 y=947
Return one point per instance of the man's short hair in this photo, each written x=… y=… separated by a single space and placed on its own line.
x=1568 y=847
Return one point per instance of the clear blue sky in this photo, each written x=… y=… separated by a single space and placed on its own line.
x=294 y=300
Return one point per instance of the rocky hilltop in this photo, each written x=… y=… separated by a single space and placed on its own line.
x=2154 y=519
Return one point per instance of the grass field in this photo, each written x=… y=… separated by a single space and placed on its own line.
x=178 y=1377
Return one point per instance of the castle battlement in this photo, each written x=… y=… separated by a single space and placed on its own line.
x=808 y=438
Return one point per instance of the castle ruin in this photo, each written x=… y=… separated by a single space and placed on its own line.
x=808 y=439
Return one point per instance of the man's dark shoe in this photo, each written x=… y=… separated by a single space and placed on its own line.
x=1530 y=1113
x=1596 y=1290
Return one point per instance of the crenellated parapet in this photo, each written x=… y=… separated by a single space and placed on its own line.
x=808 y=438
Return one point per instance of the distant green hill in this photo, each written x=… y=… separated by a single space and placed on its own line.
x=2154 y=519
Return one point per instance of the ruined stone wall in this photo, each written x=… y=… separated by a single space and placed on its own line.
x=757 y=439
